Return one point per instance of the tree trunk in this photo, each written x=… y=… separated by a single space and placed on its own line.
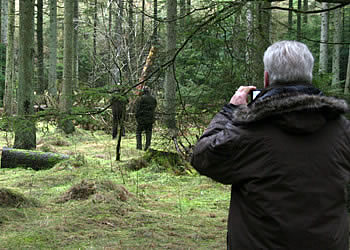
x=306 y=8
x=94 y=55
x=130 y=57
x=110 y=45
x=10 y=71
x=0 y=18
x=170 y=83
x=188 y=6
x=324 y=40
x=75 y=45
x=249 y=42
x=262 y=41
x=182 y=4
x=52 y=88
x=143 y=23
x=299 y=22
x=290 y=20
x=155 y=21
x=347 y=81
x=67 y=93
x=146 y=68
x=40 y=53
x=337 y=35
x=4 y=18
x=25 y=137
x=14 y=158
x=117 y=44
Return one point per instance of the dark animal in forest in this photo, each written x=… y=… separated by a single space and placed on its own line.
x=118 y=116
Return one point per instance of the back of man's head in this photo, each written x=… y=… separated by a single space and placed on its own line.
x=288 y=61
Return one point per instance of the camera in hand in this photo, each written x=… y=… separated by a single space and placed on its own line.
x=254 y=94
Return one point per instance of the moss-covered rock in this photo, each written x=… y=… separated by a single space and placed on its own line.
x=160 y=161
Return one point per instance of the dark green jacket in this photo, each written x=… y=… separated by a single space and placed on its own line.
x=287 y=157
x=145 y=109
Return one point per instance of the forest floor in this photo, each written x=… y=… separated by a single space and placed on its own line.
x=92 y=201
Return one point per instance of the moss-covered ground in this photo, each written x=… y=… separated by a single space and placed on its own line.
x=92 y=201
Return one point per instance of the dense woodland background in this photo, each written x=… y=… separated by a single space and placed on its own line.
x=68 y=59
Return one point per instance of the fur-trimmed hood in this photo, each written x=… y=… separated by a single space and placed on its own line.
x=297 y=108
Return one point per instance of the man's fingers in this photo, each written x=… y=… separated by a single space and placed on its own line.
x=246 y=89
x=241 y=95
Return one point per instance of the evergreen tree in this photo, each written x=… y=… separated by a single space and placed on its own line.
x=67 y=94
x=10 y=66
x=324 y=40
x=337 y=37
x=40 y=48
x=52 y=88
x=25 y=137
x=170 y=83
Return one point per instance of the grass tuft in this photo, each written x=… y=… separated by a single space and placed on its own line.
x=80 y=191
x=11 y=198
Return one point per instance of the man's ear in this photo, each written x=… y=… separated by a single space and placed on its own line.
x=266 y=79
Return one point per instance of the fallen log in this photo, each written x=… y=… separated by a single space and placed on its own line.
x=14 y=158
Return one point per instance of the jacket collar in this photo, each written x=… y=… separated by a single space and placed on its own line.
x=290 y=89
x=279 y=100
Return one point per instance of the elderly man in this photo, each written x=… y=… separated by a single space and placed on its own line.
x=286 y=155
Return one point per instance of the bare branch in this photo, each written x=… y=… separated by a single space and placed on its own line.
x=307 y=12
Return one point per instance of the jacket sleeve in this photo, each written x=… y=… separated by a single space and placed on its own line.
x=214 y=154
x=137 y=106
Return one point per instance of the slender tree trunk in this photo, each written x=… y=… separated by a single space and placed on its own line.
x=52 y=88
x=67 y=93
x=155 y=21
x=4 y=18
x=306 y=8
x=118 y=36
x=170 y=83
x=337 y=35
x=131 y=44
x=10 y=71
x=1 y=17
x=110 y=44
x=249 y=42
x=347 y=81
x=182 y=4
x=262 y=40
x=290 y=20
x=182 y=30
x=143 y=23
x=25 y=137
x=119 y=22
x=75 y=45
x=131 y=25
x=94 y=46
x=40 y=53
x=299 y=22
x=324 y=40
x=188 y=6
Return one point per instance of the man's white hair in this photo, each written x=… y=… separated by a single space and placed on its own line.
x=288 y=61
